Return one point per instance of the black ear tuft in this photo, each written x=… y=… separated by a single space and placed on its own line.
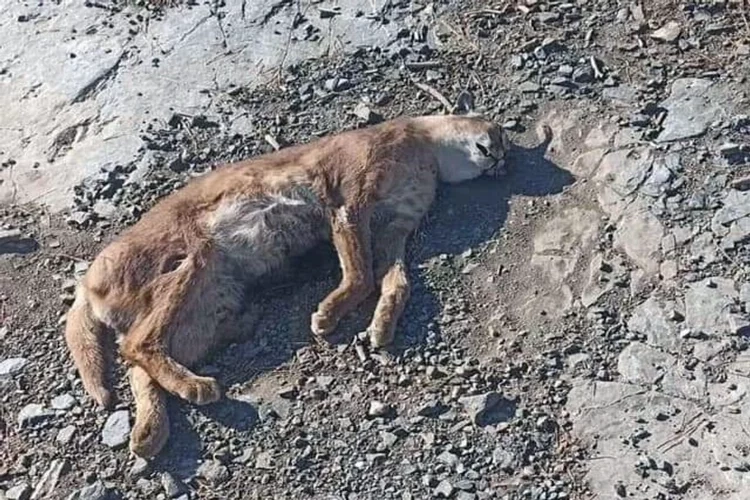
x=464 y=103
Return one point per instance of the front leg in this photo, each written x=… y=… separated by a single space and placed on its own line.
x=390 y=247
x=351 y=238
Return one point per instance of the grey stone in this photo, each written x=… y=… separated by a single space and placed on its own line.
x=171 y=485
x=729 y=149
x=586 y=163
x=366 y=114
x=732 y=221
x=668 y=33
x=63 y=402
x=213 y=471
x=739 y=232
x=529 y=87
x=94 y=491
x=65 y=434
x=658 y=181
x=388 y=439
x=583 y=74
x=488 y=408
x=264 y=461
x=140 y=467
x=444 y=489
x=548 y=17
x=595 y=288
x=692 y=106
x=34 y=414
x=735 y=206
x=378 y=409
x=105 y=209
x=448 y=458
x=19 y=492
x=709 y=306
x=12 y=366
x=116 y=430
x=79 y=218
x=504 y=459
x=559 y=247
x=47 y=484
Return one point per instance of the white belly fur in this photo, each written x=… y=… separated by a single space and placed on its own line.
x=258 y=235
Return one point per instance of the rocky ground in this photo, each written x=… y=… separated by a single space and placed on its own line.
x=577 y=330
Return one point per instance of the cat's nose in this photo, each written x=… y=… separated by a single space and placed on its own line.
x=498 y=170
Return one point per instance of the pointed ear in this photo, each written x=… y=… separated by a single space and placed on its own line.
x=464 y=103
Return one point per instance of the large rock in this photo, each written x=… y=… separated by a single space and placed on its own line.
x=626 y=425
x=692 y=106
x=74 y=99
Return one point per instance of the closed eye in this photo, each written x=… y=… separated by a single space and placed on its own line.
x=483 y=149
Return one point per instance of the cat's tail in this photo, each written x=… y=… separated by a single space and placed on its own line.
x=91 y=344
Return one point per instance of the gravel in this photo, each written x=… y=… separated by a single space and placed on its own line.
x=554 y=322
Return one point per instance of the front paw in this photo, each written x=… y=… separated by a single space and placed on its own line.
x=321 y=324
x=148 y=438
x=380 y=337
x=200 y=390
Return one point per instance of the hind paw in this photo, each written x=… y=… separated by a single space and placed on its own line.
x=200 y=390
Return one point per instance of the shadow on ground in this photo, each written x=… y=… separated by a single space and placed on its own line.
x=463 y=216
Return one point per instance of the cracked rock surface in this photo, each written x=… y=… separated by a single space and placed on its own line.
x=578 y=329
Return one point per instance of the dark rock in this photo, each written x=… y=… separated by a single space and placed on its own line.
x=13 y=241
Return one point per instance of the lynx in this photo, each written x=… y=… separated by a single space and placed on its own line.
x=166 y=284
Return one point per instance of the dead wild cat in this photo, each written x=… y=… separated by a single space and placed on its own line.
x=166 y=283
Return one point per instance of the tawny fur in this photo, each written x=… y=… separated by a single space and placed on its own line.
x=169 y=282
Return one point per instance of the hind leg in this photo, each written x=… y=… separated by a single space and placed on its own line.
x=390 y=246
x=178 y=331
x=151 y=429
